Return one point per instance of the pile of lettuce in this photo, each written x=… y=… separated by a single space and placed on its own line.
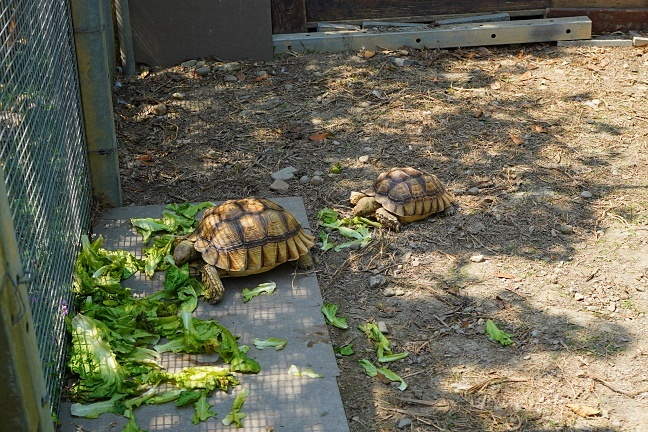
x=117 y=338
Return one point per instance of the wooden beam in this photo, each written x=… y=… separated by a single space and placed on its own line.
x=332 y=10
x=288 y=16
x=606 y=20
x=501 y=33
x=526 y=13
x=624 y=4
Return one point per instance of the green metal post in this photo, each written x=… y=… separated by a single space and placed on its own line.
x=96 y=98
x=24 y=401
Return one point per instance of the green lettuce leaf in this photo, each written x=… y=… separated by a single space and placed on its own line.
x=202 y=409
x=498 y=335
x=329 y=310
x=277 y=343
x=235 y=415
x=249 y=294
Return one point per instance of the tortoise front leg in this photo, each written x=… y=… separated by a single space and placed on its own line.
x=387 y=219
x=214 y=289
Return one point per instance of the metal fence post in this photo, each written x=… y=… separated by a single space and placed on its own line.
x=24 y=400
x=96 y=98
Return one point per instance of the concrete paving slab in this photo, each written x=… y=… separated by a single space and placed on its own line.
x=277 y=401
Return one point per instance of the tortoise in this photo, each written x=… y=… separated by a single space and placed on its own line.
x=243 y=237
x=402 y=195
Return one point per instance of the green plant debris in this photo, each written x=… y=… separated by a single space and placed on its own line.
x=336 y=168
x=177 y=219
x=277 y=343
x=267 y=287
x=383 y=350
x=345 y=350
x=294 y=370
x=235 y=415
x=202 y=409
x=356 y=229
x=372 y=371
x=498 y=335
x=330 y=310
x=117 y=338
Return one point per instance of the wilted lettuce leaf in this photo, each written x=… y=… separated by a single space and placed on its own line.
x=498 y=335
x=329 y=310
x=235 y=415
x=202 y=409
x=383 y=349
x=277 y=343
x=267 y=287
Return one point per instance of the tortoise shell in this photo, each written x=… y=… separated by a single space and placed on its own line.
x=249 y=235
x=410 y=194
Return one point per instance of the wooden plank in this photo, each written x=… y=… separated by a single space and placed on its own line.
x=324 y=27
x=288 y=16
x=332 y=10
x=606 y=20
x=368 y=24
x=475 y=19
x=519 y=14
x=624 y=4
x=464 y=35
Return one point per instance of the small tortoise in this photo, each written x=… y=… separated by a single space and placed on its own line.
x=243 y=237
x=402 y=195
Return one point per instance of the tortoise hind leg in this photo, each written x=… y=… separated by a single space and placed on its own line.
x=214 y=289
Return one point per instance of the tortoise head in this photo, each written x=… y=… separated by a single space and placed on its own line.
x=184 y=252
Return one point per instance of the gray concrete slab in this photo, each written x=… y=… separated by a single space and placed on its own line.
x=277 y=401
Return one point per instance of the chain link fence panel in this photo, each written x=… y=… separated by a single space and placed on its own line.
x=44 y=160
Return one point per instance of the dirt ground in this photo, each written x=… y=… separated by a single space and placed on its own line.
x=545 y=149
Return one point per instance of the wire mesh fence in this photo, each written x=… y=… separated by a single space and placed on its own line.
x=43 y=157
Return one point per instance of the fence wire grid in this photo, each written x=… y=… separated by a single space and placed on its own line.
x=43 y=158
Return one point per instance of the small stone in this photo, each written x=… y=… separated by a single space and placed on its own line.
x=367 y=149
x=363 y=159
x=279 y=185
x=262 y=73
x=284 y=174
x=477 y=258
x=473 y=191
x=230 y=78
x=566 y=229
x=318 y=173
x=403 y=62
x=355 y=246
x=611 y=307
x=304 y=180
x=178 y=96
x=383 y=327
x=231 y=67
x=317 y=180
x=288 y=87
x=579 y=297
x=200 y=64
x=399 y=292
x=388 y=292
x=403 y=423
x=189 y=63
x=203 y=71
x=376 y=281
x=159 y=109
x=586 y=194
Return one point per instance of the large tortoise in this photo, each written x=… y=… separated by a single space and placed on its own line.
x=403 y=195
x=243 y=237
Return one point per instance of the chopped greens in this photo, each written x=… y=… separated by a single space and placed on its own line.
x=372 y=371
x=277 y=343
x=329 y=310
x=356 y=229
x=383 y=350
x=294 y=370
x=235 y=415
x=498 y=335
x=117 y=338
x=345 y=350
x=249 y=294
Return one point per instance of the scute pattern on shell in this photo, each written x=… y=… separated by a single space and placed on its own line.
x=410 y=192
x=250 y=234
